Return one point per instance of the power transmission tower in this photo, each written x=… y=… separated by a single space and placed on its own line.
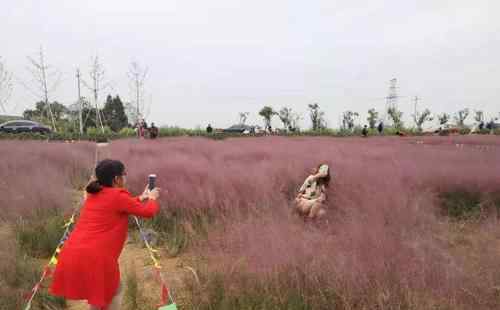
x=392 y=97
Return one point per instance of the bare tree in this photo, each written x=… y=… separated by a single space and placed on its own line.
x=372 y=118
x=295 y=121
x=479 y=116
x=137 y=77
x=461 y=116
x=421 y=117
x=317 y=117
x=97 y=85
x=396 y=117
x=243 y=117
x=285 y=115
x=443 y=118
x=45 y=80
x=267 y=114
x=6 y=86
x=348 y=119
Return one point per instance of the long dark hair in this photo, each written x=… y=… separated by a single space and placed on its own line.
x=324 y=180
x=105 y=172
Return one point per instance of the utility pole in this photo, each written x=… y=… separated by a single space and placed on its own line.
x=137 y=76
x=80 y=103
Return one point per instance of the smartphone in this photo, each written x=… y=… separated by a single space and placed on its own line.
x=151 y=181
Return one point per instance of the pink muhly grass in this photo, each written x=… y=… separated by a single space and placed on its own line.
x=41 y=175
x=384 y=232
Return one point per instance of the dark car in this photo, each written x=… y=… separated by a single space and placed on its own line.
x=18 y=126
x=492 y=126
x=240 y=129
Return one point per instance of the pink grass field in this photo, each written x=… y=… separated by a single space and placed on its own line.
x=384 y=238
x=383 y=243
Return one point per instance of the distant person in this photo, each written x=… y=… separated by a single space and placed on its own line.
x=87 y=267
x=209 y=129
x=481 y=126
x=310 y=201
x=380 y=128
x=153 y=131
x=142 y=127
x=364 y=132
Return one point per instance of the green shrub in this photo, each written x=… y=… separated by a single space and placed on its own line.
x=20 y=273
x=127 y=132
x=461 y=204
x=178 y=227
x=39 y=234
x=464 y=131
x=133 y=296
x=286 y=290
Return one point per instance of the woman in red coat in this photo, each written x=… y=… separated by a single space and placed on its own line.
x=88 y=263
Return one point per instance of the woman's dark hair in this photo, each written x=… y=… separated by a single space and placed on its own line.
x=105 y=173
x=324 y=180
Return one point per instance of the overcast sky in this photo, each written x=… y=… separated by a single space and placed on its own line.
x=210 y=60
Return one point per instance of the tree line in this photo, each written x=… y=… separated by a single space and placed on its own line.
x=290 y=120
x=87 y=111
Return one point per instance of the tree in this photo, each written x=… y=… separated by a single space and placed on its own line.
x=479 y=116
x=443 y=119
x=348 y=118
x=295 y=120
x=396 y=117
x=267 y=113
x=114 y=113
x=59 y=111
x=286 y=115
x=243 y=117
x=421 y=118
x=461 y=116
x=137 y=78
x=317 y=117
x=372 y=118
x=45 y=80
x=97 y=85
x=6 y=86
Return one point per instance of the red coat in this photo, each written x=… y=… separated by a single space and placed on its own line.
x=88 y=263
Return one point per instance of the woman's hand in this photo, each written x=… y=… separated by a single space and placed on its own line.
x=145 y=194
x=154 y=194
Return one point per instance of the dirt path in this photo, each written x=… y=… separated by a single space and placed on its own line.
x=135 y=257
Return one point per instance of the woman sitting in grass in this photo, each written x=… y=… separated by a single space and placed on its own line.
x=312 y=194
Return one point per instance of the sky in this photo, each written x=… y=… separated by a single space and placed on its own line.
x=210 y=60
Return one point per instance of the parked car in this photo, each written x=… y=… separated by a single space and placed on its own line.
x=492 y=126
x=18 y=126
x=240 y=129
